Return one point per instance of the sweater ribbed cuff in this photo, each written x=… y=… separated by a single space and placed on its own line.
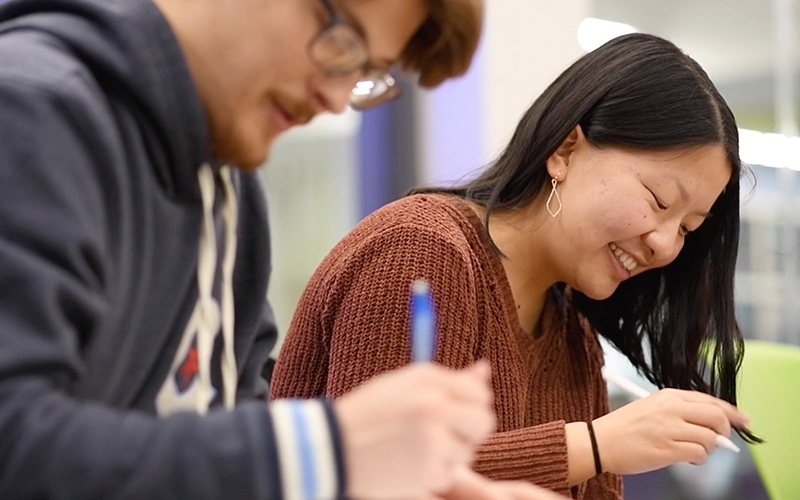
x=537 y=454
x=309 y=450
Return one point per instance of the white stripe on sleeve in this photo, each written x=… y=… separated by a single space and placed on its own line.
x=305 y=450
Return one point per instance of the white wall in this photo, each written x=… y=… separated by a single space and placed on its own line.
x=528 y=44
x=466 y=122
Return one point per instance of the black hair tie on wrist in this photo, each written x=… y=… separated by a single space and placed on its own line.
x=597 y=467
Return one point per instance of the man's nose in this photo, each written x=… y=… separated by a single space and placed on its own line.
x=333 y=92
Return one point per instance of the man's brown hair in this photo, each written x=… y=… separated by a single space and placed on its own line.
x=445 y=43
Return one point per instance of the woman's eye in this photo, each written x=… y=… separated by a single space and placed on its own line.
x=659 y=203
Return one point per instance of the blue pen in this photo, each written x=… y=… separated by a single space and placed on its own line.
x=423 y=322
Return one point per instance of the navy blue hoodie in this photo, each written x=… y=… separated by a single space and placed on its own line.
x=101 y=138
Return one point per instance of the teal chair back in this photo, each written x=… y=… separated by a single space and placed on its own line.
x=769 y=390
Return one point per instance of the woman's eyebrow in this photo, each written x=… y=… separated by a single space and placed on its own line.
x=685 y=194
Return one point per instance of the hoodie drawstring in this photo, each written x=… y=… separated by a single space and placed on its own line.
x=207 y=307
x=181 y=390
x=230 y=214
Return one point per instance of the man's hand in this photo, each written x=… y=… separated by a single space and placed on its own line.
x=468 y=485
x=407 y=432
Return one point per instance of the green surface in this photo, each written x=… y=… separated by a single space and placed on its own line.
x=770 y=392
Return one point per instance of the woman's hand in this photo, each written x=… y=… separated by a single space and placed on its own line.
x=666 y=427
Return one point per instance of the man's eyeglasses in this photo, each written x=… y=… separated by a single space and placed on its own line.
x=340 y=49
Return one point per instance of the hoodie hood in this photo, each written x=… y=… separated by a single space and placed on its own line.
x=142 y=61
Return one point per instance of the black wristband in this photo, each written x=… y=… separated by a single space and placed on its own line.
x=598 y=469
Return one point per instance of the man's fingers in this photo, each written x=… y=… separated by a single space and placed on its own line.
x=471 y=425
x=470 y=486
x=471 y=384
x=519 y=490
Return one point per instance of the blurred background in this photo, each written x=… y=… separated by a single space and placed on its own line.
x=322 y=179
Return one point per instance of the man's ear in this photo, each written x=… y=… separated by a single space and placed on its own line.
x=558 y=162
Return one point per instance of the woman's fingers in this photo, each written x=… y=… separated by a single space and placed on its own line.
x=692 y=452
x=707 y=415
x=733 y=414
x=695 y=434
x=666 y=427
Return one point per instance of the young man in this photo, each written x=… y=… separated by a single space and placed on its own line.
x=134 y=254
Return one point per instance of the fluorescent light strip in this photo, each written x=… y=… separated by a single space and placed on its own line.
x=594 y=32
x=769 y=150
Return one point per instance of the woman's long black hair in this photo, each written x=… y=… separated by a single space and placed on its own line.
x=642 y=92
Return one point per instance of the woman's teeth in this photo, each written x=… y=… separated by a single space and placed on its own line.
x=626 y=260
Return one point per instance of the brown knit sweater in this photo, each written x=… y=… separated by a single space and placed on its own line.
x=352 y=323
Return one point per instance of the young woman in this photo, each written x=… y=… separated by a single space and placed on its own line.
x=613 y=211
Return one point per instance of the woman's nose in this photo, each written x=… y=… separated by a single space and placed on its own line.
x=664 y=242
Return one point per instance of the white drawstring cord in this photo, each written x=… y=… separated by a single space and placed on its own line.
x=230 y=213
x=208 y=317
x=207 y=308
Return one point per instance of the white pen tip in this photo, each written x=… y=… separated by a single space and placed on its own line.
x=726 y=443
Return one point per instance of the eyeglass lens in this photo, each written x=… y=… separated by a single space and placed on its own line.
x=339 y=49
x=375 y=88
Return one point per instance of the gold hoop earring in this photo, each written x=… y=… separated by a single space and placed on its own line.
x=553 y=192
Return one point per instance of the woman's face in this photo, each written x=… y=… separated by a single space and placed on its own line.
x=628 y=211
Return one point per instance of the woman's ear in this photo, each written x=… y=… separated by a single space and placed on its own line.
x=558 y=162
